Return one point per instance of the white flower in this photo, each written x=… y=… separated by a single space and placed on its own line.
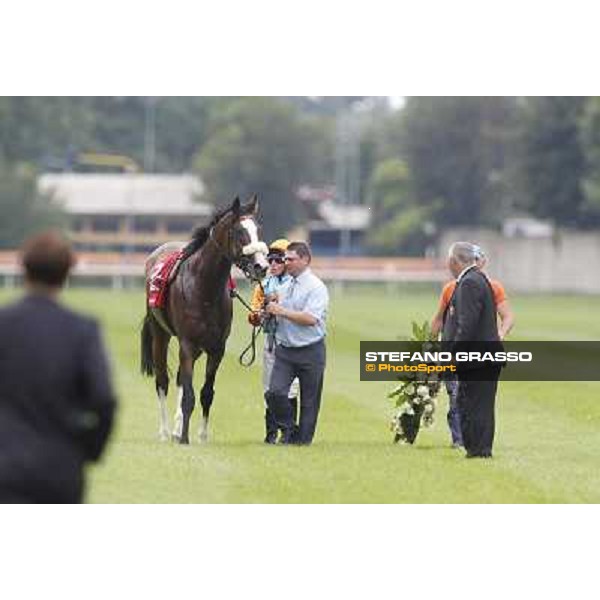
x=423 y=391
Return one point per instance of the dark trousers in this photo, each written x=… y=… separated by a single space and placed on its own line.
x=453 y=416
x=476 y=402
x=64 y=490
x=308 y=364
x=20 y=498
x=271 y=428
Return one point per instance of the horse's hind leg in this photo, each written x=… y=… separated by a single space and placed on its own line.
x=178 y=418
x=208 y=391
x=160 y=345
x=188 y=400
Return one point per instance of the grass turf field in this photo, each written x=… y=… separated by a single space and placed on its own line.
x=547 y=437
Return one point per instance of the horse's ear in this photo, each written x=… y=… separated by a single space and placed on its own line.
x=236 y=207
x=252 y=207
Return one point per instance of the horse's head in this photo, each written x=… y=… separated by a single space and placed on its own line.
x=245 y=248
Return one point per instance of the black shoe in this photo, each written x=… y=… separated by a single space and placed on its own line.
x=287 y=437
x=486 y=455
x=271 y=438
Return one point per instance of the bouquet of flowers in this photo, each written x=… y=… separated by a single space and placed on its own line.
x=415 y=396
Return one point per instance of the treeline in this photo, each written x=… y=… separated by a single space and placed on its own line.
x=475 y=161
x=437 y=162
x=237 y=145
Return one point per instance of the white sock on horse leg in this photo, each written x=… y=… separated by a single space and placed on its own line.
x=203 y=431
x=163 y=431
x=178 y=420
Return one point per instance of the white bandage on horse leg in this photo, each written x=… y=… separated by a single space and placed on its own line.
x=163 y=430
x=178 y=419
x=203 y=431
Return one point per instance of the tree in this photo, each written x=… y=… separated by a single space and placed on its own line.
x=552 y=160
x=34 y=128
x=457 y=150
x=398 y=224
x=262 y=145
x=46 y=130
x=180 y=128
x=589 y=127
x=324 y=105
x=23 y=210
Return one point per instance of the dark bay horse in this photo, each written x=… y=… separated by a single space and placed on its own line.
x=198 y=310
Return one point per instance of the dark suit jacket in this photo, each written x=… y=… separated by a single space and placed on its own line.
x=56 y=400
x=470 y=321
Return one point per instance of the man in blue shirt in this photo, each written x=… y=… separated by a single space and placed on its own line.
x=301 y=312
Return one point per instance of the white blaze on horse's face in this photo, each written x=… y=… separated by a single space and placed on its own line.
x=257 y=249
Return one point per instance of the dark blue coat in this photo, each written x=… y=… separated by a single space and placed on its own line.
x=56 y=400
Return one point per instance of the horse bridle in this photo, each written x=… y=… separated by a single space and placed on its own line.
x=243 y=262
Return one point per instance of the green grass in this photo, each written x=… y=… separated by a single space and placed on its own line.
x=547 y=444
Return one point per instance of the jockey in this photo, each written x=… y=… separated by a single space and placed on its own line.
x=275 y=279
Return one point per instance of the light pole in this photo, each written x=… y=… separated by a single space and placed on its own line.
x=347 y=168
x=150 y=133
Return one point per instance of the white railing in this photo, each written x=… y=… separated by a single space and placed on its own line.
x=364 y=270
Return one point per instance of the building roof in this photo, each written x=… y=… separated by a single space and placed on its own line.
x=342 y=216
x=126 y=194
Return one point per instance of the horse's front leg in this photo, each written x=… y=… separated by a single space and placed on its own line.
x=207 y=394
x=188 y=400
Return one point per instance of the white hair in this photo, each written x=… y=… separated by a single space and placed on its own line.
x=465 y=253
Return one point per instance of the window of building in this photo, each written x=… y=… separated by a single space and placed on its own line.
x=77 y=224
x=179 y=225
x=145 y=224
x=106 y=223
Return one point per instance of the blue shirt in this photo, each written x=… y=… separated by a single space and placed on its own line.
x=272 y=285
x=305 y=293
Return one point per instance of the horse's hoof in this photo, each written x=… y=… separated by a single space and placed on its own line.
x=175 y=437
x=184 y=440
x=164 y=436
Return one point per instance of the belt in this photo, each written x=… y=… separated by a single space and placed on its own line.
x=302 y=347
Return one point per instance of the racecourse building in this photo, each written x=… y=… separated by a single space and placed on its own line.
x=129 y=212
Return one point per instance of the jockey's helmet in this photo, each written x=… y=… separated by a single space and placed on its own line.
x=278 y=247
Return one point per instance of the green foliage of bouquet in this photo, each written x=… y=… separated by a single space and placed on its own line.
x=415 y=396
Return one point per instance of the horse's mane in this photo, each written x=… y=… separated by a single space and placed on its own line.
x=200 y=234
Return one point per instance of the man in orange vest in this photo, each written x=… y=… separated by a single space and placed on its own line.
x=506 y=323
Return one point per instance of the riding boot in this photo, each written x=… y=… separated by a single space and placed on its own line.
x=270 y=425
x=294 y=403
x=281 y=410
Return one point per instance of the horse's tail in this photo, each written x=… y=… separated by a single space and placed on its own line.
x=146 y=363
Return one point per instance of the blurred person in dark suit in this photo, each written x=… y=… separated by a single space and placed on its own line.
x=470 y=324
x=506 y=321
x=56 y=399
